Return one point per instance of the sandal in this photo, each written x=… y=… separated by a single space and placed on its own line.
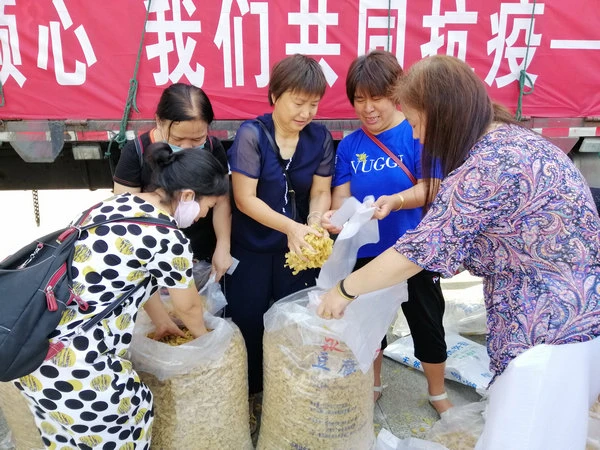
x=437 y=398
x=378 y=392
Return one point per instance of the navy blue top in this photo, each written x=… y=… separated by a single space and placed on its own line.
x=252 y=155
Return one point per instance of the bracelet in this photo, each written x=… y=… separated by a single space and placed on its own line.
x=401 y=202
x=343 y=293
x=314 y=214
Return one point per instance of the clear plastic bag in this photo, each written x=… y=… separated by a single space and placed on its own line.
x=459 y=427
x=213 y=294
x=367 y=319
x=213 y=299
x=387 y=441
x=201 y=271
x=200 y=388
x=315 y=396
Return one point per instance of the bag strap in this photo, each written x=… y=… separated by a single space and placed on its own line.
x=142 y=219
x=391 y=155
x=139 y=148
x=147 y=220
x=275 y=147
x=114 y=305
x=58 y=346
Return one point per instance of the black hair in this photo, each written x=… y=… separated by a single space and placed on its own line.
x=199 y=171
x=180 y=102
x=374 y=74
x=299 y=74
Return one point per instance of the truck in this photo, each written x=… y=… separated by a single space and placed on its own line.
x=78 y=77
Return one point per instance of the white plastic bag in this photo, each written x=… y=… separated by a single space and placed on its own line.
x=468 y=362
x=459 y=317
x=367 y=319
x=359 y=229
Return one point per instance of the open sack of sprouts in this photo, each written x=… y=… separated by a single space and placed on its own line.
x=199 y=386
x=318 y=383
x=23 y=434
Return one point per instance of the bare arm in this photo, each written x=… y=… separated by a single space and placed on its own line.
x=121 y=189
x=164 y=325
x=386 y=270
x=320 y=199
x=187 y=305
x=221 y=259
x=340 y=193
x=413 y=197
x=244 y=194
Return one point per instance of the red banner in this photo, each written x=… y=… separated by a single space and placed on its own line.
x=73 y=59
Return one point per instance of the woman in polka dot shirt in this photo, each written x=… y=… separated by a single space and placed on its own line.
x=88 y=395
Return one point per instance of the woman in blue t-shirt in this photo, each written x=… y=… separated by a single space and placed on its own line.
x=281 y=165
x=363 y=168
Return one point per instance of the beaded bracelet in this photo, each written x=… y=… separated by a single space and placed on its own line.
x=343 y=293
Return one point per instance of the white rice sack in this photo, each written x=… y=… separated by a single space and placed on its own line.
x=468 y=362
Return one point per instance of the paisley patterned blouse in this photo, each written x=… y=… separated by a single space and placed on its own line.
x=519 y=214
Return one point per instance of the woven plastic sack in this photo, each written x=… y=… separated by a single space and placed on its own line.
x=315 y=395
x=200 y=388
x=467 y=362
x=23 y=434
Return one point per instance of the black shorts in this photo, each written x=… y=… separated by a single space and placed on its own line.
x=424 y=313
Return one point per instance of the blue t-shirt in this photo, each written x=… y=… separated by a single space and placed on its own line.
x=252 y=155
x=371 y=171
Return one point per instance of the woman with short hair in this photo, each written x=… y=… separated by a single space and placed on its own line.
x=281 y=166
x=362 y=168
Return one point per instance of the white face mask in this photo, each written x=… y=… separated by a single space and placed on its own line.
x=186 y=213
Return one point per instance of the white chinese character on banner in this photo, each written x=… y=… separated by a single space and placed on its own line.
x=10 y=55
x=382 y=28
x=504 y=45
x=52 y=35
x=320 y=19
x=184 y=46
x=457 y=39
x=223 y=40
